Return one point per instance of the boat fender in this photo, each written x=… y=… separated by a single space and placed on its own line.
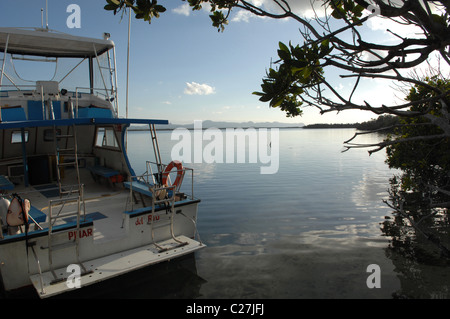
x=4 y=204
x=179 y=167
x=18 y=211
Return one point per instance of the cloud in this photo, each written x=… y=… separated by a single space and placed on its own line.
x=242 y=16
x=194 y=88
x=378 y=23
x=184 y=9
x=303 y=8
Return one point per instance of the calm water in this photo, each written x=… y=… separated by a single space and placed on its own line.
x=308 y=231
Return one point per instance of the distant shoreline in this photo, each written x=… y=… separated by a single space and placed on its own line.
x=205 y=128
x=316 y=126
x=219 y=125
x=381 y=122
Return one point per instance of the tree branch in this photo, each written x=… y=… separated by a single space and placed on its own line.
x=381 y=145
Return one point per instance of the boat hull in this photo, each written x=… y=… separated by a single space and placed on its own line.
x=99 y=255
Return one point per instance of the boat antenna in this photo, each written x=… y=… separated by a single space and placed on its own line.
x=46 y=14
x=128 y=56
x=128 y=72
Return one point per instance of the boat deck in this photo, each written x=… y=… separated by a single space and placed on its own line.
x=104 y=203
x=115 y=265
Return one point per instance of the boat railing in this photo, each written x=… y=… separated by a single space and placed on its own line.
x=4 y=89
x=36 y=216
x=165 y=195
x=150 y=184
x=107 y=94
x=47 y=99
x=185 y=172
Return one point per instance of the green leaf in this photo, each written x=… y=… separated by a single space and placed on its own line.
x=307 y=72
x=277 y=102
x=160 y=8
x=110 y=7
x=283 y=47
x=284 y=55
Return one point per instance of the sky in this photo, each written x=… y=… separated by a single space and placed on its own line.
x=182 y=69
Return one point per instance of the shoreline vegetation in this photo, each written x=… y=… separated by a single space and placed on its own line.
x=221 y=125
x=380 y=122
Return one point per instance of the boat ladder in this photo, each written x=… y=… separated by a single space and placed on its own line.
x=156 y=149
x=162 y=195
x=165 y=196
x=65 y=147
x=55 y=213
x=50 y=277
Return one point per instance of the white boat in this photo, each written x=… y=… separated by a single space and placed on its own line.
x=63 y=147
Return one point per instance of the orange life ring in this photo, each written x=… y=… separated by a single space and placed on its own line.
x=180 y=174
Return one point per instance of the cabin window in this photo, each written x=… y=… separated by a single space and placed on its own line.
x=48 y=134
x=106 y=138
x=16 y=137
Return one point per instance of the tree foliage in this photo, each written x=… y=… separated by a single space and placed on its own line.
x=425 y=158
x=420 y=195
x=421 y=157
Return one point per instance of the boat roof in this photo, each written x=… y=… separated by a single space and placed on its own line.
x=49 y=43
x=79 y=121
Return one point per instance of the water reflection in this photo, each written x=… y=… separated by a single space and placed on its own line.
x=316 y=264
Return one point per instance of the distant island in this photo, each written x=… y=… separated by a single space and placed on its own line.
x=331 y=125
x=378 y=123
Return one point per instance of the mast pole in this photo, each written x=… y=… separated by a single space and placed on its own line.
x=128 y=57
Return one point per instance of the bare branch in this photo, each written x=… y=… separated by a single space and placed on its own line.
x=381 y=145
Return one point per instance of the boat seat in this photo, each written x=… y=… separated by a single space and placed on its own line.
x=5 y=184
x=37 y=215
x=143 y=188
x=139 y=186
x=103 y=171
